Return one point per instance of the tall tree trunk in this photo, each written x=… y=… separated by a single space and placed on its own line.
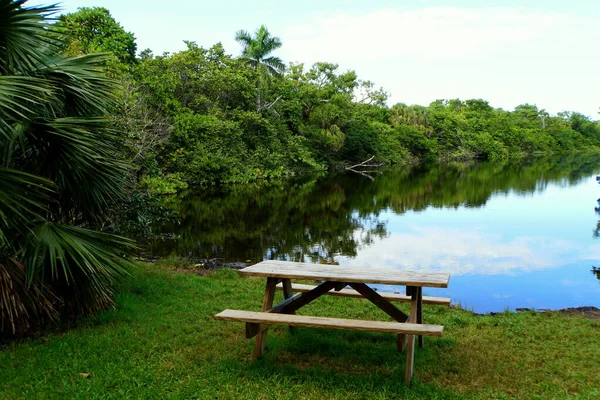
x=258 y=95
x=257 y=70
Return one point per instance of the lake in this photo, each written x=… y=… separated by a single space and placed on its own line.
x=512 y=235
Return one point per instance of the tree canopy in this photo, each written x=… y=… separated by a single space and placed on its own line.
x=94 y=30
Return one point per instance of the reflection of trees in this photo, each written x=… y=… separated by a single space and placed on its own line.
x=596 y=271
x=337 y=214
x=293 y=221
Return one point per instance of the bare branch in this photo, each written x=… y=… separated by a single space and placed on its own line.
x=266 y=107
x=361 y=164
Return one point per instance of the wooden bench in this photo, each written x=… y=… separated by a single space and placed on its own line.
x=442 y=301
x=267 y=318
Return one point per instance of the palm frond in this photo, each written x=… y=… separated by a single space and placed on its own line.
x=78 y=154
x=243 y=37
x=256 y=49
x=83 y=85
x=274 y=65
x=267 y=42
x=22 y=35
x=84 y=260
x=22 y=96
x=249 y=61
x=22 y=198
x=66 y=249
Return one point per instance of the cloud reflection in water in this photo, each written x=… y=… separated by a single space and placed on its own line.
x=469 y=252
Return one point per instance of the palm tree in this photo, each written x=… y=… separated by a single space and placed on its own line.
x=256 y=54
x=59 y=173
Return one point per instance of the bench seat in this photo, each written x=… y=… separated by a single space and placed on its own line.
x=329 y=323
x=296 y=287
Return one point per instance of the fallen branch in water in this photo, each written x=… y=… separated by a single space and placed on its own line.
x=365 y=164
x=363 y=174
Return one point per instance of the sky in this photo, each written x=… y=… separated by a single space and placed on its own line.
x=542 y=52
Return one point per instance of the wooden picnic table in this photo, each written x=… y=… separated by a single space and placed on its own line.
x=334 y=280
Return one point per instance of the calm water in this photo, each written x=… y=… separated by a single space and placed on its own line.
x=511 y=235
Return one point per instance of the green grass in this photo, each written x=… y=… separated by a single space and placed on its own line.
x=162 y=342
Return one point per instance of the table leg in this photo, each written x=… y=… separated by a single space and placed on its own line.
x=415 y=292
x=259 y=347
x=287 y=293
x=420 y=313
x=384 y=305
x=401 y=342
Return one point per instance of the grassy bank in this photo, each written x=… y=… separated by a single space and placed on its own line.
x=162 y=342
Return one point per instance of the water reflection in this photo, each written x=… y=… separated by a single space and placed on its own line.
x=512 y=234
x=343 y=214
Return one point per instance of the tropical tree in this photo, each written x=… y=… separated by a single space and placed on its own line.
x=256 y=53
x=94 y=30
x=59 y=173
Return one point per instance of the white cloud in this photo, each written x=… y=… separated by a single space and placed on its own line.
x=506 y=55
x=429 y=34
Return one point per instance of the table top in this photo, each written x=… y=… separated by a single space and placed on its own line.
x=339 y=273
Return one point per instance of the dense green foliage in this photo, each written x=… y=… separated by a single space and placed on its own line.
x=59 y=173
x=161 y=342
x=202 y=116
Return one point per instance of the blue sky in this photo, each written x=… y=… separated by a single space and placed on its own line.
x=543 y=52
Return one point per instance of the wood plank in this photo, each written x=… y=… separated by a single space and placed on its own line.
x=442 y=301
x=379 y=301
x=336 y=273
x=420 y=314
x=410 y=352
x=329 y=323
x=259 y=347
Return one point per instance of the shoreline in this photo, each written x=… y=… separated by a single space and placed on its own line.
x=202 y=266
x=590 y=312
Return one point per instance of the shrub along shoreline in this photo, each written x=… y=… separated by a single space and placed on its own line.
x=160 y=341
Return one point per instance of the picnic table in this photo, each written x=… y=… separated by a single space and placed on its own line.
x=335 y=279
